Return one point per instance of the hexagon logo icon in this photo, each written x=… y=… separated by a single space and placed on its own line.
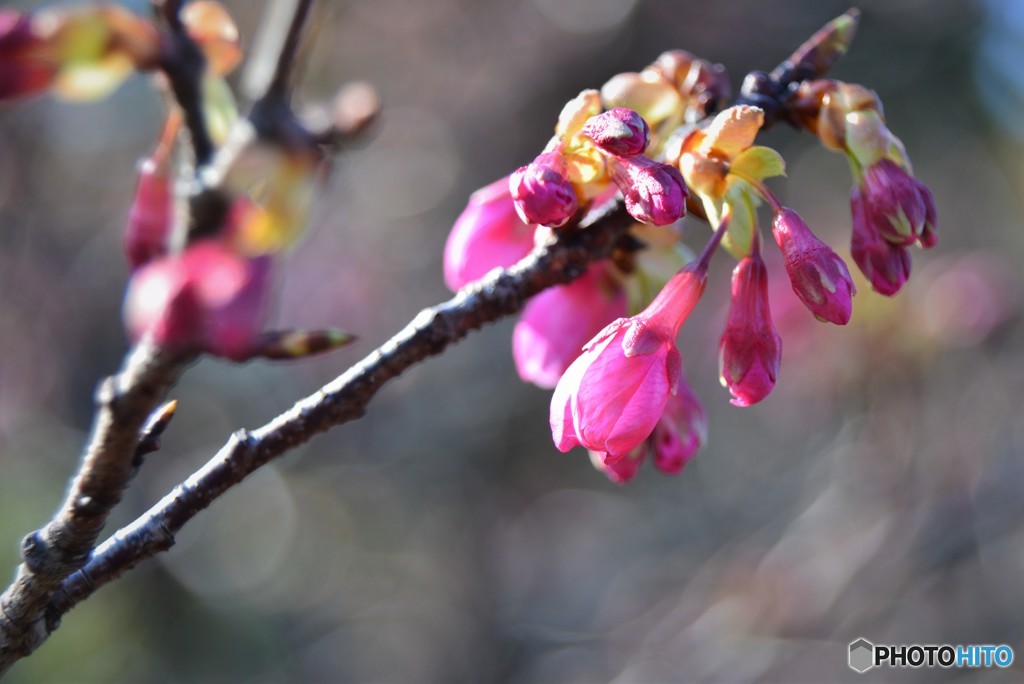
x=862 y=655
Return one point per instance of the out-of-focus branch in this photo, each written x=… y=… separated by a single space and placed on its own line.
x=124 y=404
x=500 y=294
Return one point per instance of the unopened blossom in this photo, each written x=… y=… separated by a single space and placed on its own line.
x=542 y=191
x=151 y=216
x=681 y=431
x=207 y=298
x=488 y=234
x=819 y=276
x=884 y=264
x=888 y=204
x=897 y=204
x=620 y=469
x=619 y=131
x=654 y=193
x=750 y=350
x=611 y=397
x=557 y=323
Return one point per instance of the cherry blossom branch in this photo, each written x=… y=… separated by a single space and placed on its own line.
x=109 y=462
x=433 y=330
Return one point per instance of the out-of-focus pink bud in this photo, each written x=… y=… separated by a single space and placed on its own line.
x=611 y=397
x=207 y=298
x=654 y=192
x=618 y=131
x=542 y=191
x=557 y=323
x=896 y=203
x=488 y=234
x=681 y=432
x=884 y=264
x=750 y=350
x=819 y=276
x=620 y=469
x=24 y=70
x=151 y=217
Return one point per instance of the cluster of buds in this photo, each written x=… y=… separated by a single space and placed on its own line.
x=618 y=385
x=891 y=209
x=197 y=285
x=592 y=153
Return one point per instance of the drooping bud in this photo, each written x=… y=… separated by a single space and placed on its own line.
x=819 y=276
x=884 y=264
x=654 y=192
x=542 y=191
x=611 y=397
x=151 y=217
x=488 y=234
x=207 y=298
x=681 y=432
x=896 y=203
x=557 y=323
x=750 y=350
x=618 y=131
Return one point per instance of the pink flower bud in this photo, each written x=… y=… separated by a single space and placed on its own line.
x=897 y=204
x=488 y=234
x=24 y=68
x=618 y=131
x=151 y=216
x=206 y=298
x=611 y=397
x=750 y=350
x=819 y=276
x=681 y=432
x=884 y=264
x=654 y=192
x=542 y=191
x=620 y=469
x=557 y=323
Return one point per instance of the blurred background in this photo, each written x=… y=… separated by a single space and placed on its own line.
x=442 y=538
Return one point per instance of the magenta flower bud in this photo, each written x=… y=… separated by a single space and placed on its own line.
x=557 y=323
x=885 y=265
x=654 y=192
x=897 y=204
x=611 y=397
x=750 y=350
x=620 y=469
x=488 y=234
x=542 y=191
x=681 y=431
x=24 y=67
x=151 y=216
x=819 y=276
x=207 y=298
x=618 y=131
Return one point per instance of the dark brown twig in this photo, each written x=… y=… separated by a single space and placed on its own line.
x=125 y=402
x=431 y=332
